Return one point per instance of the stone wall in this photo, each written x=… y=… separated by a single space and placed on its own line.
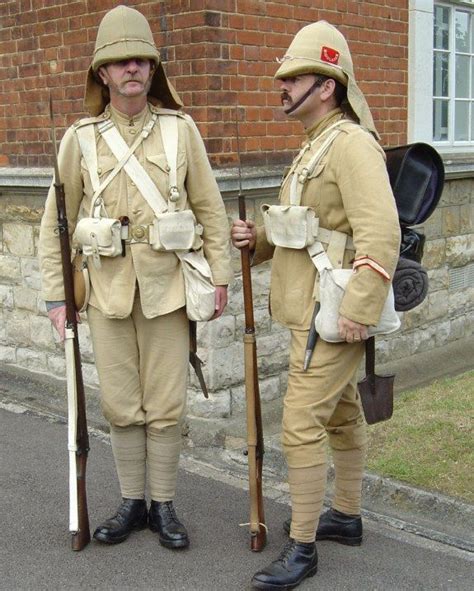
x=27 y=338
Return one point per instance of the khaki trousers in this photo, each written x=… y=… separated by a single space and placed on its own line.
x=322 y=402
x=143 y=367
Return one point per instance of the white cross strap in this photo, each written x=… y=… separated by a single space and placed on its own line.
x=132 y=167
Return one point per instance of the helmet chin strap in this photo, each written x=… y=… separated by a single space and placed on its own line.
x=308 y=93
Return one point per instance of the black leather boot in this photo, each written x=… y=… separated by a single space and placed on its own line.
x=338 y=527
x=164 y=521
x=131 y=515
x=296 y=562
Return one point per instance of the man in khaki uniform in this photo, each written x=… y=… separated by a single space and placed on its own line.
x=349 y=190
x=136 y=313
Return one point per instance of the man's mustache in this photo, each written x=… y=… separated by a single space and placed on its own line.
x=285 y=97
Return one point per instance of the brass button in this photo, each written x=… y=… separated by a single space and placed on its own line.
x=132 y=131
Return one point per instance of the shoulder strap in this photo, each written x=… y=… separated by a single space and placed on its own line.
x=86 y=137
x=299 y=179
x=169 y=136
x=130 y=164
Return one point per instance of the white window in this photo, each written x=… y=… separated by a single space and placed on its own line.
x=453 y=74
x=441 y=74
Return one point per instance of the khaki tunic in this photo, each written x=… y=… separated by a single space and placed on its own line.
x=158 y=273
x=350 y=192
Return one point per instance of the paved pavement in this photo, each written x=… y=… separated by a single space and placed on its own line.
x=35 y=551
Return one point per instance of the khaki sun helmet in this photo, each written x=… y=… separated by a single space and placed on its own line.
x=319 y=48
x=124 y=33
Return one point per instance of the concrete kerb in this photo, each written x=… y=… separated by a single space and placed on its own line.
x=219 y=445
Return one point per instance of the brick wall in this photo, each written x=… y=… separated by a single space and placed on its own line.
x=220 y=53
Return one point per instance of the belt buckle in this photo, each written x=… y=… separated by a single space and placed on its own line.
x=139 y=233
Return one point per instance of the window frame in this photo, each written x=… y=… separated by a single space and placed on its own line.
x=421 y=95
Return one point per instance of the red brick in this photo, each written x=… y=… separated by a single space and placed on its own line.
x=220 y=53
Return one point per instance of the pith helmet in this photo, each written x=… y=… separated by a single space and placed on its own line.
x=124 y=33
x=319 y=48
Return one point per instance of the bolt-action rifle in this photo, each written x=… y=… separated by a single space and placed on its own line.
x=78 y=440
x=255 y=448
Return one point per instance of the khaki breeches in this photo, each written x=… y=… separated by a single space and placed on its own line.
x=322 y=402
x=143 y=367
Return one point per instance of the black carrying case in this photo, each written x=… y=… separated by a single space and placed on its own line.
x=416 y=173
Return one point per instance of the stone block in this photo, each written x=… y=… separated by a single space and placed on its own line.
x=89 y=374
x=218 y=333
x=6 y=296
x=466 y=218
x=56 y=365
x=7 y=354
x=269 y=389
x=435 y=254
x=225 y=367
x=460 y=301
x=458 y=192
x=42 y=332
x=217 y=406
x=32 y=360
x=18 y=239
x=273 y=353
x=25 y=298
x=10 y=269
x=450 y=220
x=30 y=273
x=457 y=328
x=460 y=250
x=443 y=333
x=423 y=340
x=17 y=327
x=432 y=228
x=438 y=279
x=438 y=305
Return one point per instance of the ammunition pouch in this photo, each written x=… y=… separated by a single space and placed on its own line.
x=99 y=237
x=177 y=230
x=290 y=226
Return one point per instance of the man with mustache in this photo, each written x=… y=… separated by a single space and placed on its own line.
x=340 y=175
x=136 y=313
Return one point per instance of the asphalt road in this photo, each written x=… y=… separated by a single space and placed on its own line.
x=35 y=546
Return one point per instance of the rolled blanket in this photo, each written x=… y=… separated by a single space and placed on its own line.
x=410 y=284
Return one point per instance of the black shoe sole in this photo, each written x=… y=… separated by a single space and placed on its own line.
x=271 y=587
x=105 y=539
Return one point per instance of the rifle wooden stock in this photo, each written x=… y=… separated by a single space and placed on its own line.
x=254 y=415
x=79 y=447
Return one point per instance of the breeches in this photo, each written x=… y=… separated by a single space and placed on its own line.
x=322 y=402
x=143 y=367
